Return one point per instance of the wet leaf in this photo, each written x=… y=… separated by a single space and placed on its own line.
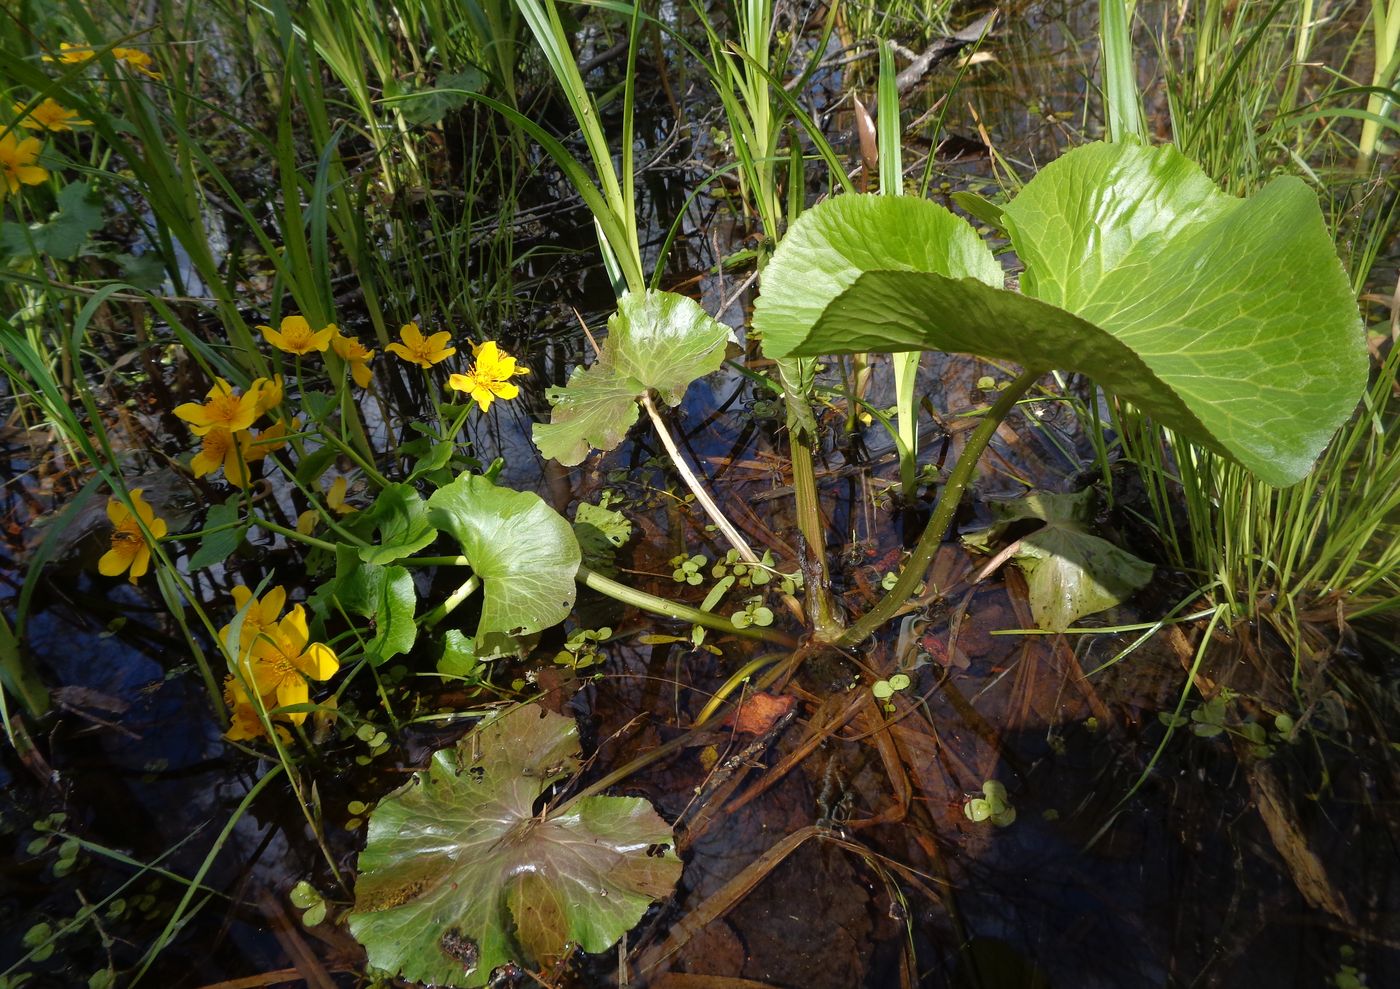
x=601 y=531
x=759 y=712
x=459 y=656
x=1070 y=572
x=660 y=341
x=524 y=552
x=1229 y=320
x=458 y=876
x=400 y=520
x=304 y=895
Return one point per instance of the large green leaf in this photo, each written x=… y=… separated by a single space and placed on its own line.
x=459 y=876
x=659 y=340
x=1229 y=320
x=1070 y=572
x=524 y=552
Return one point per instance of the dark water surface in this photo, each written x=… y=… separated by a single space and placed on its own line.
x=1210 y=874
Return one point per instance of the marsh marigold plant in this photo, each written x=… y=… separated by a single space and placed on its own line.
x=130 y=552
x=276 y=659
x=356 y=356
x=50 y=115
x=18 y=157
x=421 y=350
x=297 y=337
x=489 y=376
x=223 y=407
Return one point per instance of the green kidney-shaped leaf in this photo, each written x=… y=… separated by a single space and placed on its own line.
x=524 y=552
x=1070 y=572
x=385 y=594
x=401 y=526
x=657 y=340
x=1229 y=320
x=459 y=876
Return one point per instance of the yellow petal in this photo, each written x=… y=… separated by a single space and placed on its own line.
x=117 y=513
x=272 y=604
x=140 y=561
x=117 y=559
x=292 y=691
x=292 y=628
x=319 y=662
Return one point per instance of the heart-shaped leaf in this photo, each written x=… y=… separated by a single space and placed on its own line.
x=524 y=552
x=399 y=517
x=459 y=876
x=1070 y=572
x=1229 y=320
x=385 y=594
x=658 y=340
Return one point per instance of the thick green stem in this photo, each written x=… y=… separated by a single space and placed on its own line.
x=466 y=590
x=825 y=621
x=919 y=561
x=670 y=609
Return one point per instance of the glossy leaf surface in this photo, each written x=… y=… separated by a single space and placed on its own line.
x=1229 y=320
x=660 y=341
x=524 y=552
x=1070 y=572
x=458 y=876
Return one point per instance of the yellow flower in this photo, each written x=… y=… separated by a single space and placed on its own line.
x=416 y=349
x=260 y=616
x=50 y=116
x=235 y=451
x=297 y=337
x=138 y=60
x=224 y=408
x=353 y=352
x=220 y=449
x=72 y=54
x=335 y=497
x=270 y=440
x=17 y=158
x=306 y=521
x=283 y=659
x=130 y=551
x=269 y=391
x=489 y=378
x=244 y=723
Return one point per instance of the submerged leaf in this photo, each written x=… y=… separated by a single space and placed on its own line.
x=524 y=552
x=1070 y=572
x=601 y=531
x=1229 y=320
x=660 y=341
x=459 y=876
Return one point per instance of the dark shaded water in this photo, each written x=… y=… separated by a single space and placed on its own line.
x=1186 y=883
